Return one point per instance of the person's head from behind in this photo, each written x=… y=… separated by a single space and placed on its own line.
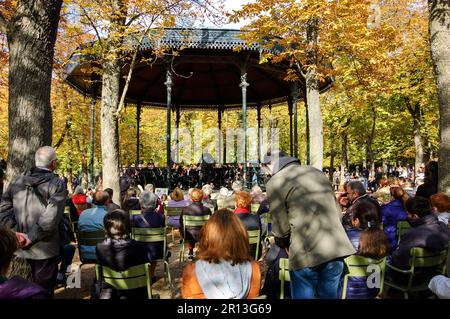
x=117 y=224
x=149 y=188
x=398 y=193
x=366 y=214
x=79 y=190
x=110 y=192
x=8 y=245
x=148 y=200
x=236 y=186
x=101 y=198
x=243 y=200
x=196 y=195
x=256 y=190
x=440 y=203
x=223 y=192
x=177 y=194
x=271 y=160
x=224 y=237
x=207 y=190
x=45 y=157
x=418 y=207
x=431 y=172
x=355 y=189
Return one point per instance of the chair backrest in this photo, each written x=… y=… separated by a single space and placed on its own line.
x=131 y=278
x=195 y=221
x=402 y=227
x=254 y=208
x=67 y=212
x=173 y=211
x=135 y=212
x=359 y=266
x=283 y=275
x=254 y=237
x=90 y=238
x=420 y=257
x=149 y=235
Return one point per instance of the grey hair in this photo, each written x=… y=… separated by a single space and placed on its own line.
x=357 y=187
x=207 y=189
x=79 y=190
x=148 y=200
x=237 y=186
x=44 y=156
x=149 y=188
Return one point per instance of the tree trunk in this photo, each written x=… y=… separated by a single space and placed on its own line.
x=31 y=37
x=344 y=158
x=439 y=29
x=313 y=98
x=416 y=114
x=369 y=151
x=110 y=126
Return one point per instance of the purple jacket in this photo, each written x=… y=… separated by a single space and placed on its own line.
x=426 y=232
x=19 y=288
x=391 y=213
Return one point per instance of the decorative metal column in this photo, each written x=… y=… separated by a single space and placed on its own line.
x=219 y=126
x=291 y=141
x=308 y=157
x=91 y=160
x=138 y=128
x=177 y=123
x=225 y=139
x=258 y=118
x=168 y=84
x=294 y=95
x=244 y=84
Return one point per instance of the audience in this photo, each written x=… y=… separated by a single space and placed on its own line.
x=441 y=206
x=194 y=209
x=392 y=213
x=177 y=201
x=15 y=287
x=224 y=269
x=111 y=205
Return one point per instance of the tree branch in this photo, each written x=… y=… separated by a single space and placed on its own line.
x=3 y=24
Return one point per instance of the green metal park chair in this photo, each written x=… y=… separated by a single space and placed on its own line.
x=419 y=258
x=191 y=221
x=254 y=208
x=154 y=235
x=89 y=238
x=359 y=266
x=402 y=228
x=283 y=275
x=132 y=278
x=135 y=212
x=254 y=238
x=172 y=212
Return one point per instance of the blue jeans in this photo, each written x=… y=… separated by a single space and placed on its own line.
x=321 y=281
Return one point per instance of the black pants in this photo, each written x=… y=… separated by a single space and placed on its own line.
x=44 y=273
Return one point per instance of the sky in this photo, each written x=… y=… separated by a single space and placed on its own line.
x=230 y=5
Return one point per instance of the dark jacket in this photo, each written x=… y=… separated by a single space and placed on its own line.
x=37 y=199
x=304 y=208
x=354 y=234
x=131 y=204
x=391 y=214
x=426 y=232
x=150 y=219
x=120 y=255
x=251 y=222
x=19 y=288
x=427 y=189
x=194 y=209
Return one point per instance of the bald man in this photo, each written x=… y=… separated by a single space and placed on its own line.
x=92 y=220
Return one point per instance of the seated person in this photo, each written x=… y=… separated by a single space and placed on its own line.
x=272 y=283
x=392 y=213
x=207 y=201
x=92 y=220
x=79 y=200
x=426 y=232
x=223 y=194
x=440 y=286
x=250 y=221
x=131 y=200
x=441 y=206
x=149 y=218
x=176 y=200
x=15 y=287
x=230 y=200
x=119 y=253
x=195 y=209
x=224 y=269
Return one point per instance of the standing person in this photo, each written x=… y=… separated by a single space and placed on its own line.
x=430 y=185
x=306 y=217
x=37 y=199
